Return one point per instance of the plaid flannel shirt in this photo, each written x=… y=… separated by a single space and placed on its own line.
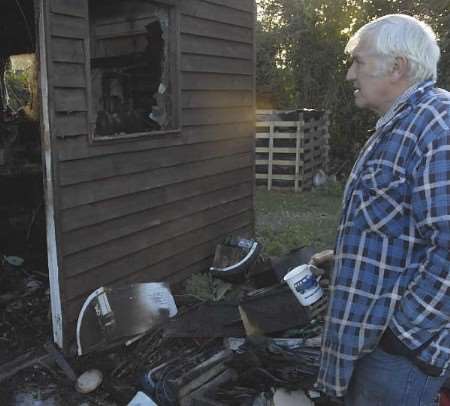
x=392 y=254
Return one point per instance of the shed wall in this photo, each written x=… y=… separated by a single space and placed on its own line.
x=153 y=208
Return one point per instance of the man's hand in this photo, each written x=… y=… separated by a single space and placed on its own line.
x=323 y=261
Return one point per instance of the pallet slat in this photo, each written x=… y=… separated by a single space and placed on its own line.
x=289 y=153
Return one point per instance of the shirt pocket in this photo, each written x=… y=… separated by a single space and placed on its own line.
x=379 y=201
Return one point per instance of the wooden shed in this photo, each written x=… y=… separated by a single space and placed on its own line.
x=148 y=140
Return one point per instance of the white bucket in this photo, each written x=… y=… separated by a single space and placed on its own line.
x=304 y=284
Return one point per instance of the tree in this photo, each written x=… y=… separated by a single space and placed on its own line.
x=300 y=57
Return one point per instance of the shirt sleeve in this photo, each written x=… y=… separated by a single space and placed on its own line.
x=425 y=307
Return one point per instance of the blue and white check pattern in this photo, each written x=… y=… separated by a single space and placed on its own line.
x=392 y=262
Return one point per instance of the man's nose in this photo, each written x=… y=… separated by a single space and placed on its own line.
x=351 y=73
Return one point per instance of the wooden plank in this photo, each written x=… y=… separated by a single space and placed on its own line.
x=89 y=237
x=244 y=5
x=111 y=251
x=160 y=260
x=277 y=150
x=67 y=50
x=299 y=142
x=70 y=7
x=72 y=308
x=214 y=29
x=94 y=213
x=283 y=124
x=277 y=177
x=113 y=47
x=197 y=117
x=73 y=124
x=205 y=321
x=70 y=100
x=122 y=26
x=213 y=81
x=91 y=169
x=264 y=162
x=274 y=310
x=26 y=360
x=69 y=75
x=215 y=99
x=282 y=177
x=193 y=44
x=69 y=27
x=174 y=269
x=71 y=149
x=276 y=135
x=215 y=64
x=86 y=193
x=270 y=157
x=215 y=12
x=117 y=12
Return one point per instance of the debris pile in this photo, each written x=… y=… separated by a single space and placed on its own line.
x=24 y=305
x=236 y=335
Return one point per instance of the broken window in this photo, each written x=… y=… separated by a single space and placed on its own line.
x=131 y=86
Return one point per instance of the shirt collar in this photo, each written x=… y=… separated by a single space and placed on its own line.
x=415 y=90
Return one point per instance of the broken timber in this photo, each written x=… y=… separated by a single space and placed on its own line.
x=271 y=310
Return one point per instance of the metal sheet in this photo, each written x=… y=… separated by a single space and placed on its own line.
x=113 y=316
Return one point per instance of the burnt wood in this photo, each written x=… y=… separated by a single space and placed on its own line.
x=106 y=210
x=91 y=192
x=152 y=207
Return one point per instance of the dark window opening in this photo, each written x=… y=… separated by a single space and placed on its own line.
x=23 y=251
x=129 y=69
x=22 y=214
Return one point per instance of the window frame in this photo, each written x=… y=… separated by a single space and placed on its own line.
x=174 y=74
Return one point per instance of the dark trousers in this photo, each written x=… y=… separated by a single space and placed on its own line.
x=382 y=379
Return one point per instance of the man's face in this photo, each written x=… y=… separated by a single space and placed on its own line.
x=372 y=86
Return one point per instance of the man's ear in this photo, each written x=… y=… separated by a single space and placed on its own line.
x=400 y=68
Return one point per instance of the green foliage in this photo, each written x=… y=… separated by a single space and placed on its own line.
x=300 y=57
x=18 y=88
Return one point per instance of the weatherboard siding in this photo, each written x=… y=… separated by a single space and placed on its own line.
x=153 y=208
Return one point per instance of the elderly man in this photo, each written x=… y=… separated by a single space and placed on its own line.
x=387 y=337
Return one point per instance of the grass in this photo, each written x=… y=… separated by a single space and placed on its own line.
x=287 y=220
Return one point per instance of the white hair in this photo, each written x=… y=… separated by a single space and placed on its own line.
x=400 y=35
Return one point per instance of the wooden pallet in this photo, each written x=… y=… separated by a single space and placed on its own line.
x=289 y=153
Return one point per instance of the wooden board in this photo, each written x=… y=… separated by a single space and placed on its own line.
x=80 y=148
x=71 y=8
x=217 y=12
x=89 y=259
x=68 y=50
x=70 y=100
x=68 y=27
x=153 y=207
x=88 y=237
x=215 y=81
x=208 y=116
x=69 y=75
x=207 y=320
x=103 y=189
x=214 y=29
x=107 y=210
x=215 y=64
x=161 y=260
x=92 y=169
x=194 y=44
